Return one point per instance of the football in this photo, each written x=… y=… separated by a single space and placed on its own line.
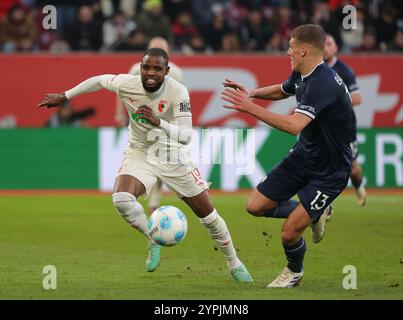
x=167 y=226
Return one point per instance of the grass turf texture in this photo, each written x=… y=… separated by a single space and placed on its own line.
x=98 y=256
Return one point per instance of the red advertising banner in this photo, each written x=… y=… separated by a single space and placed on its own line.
x=24 y=79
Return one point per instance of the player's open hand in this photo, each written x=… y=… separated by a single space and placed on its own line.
x=145 y=112
x=235 y=85
x=239 y=100
x=52 y=100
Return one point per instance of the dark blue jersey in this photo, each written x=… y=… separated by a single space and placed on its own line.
x=323 y=148
x=348 y=76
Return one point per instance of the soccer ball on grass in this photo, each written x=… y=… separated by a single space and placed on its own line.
x=167 y=226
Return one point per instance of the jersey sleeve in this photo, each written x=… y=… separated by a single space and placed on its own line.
x=116 y=82
x=181 y=104
x=288 y=86
x=349 y=79
x=317 y=96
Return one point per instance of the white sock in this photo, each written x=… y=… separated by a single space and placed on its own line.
x=131 y=210
x=218 y=231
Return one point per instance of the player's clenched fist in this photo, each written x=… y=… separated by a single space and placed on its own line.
x=146 y=113
x=52 y=100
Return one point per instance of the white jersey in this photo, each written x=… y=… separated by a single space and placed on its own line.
x=174 y=71
x=169 y=103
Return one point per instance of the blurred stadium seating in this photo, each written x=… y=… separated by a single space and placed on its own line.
x=197 y=26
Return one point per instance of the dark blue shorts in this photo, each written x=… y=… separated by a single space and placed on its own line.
x=315 y=193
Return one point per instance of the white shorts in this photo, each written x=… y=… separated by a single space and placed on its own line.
x=184 y=180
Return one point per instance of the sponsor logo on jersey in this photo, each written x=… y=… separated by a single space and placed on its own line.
x=184 y=106
x=308 y=108
x=136 y=116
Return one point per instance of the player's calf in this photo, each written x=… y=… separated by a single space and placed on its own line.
x=295 y=253
x=292 y=274
x=133 y=212
x=356 y=180
x=361 y=195
x=219 y=232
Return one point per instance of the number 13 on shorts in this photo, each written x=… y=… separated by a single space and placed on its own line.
x=320 y=201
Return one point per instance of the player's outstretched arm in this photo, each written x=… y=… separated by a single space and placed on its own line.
x=273 y=92
x=92 y=84
x=52 y=100
x=238 y=100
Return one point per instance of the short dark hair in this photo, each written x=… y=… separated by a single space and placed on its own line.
x=312 y=34
x=157 y=52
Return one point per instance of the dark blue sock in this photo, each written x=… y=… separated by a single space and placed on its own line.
x=356 y=182
x=295 y=255
x=283 y=209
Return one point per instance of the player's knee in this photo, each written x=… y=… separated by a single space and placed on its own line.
x=123 y=201
x=289 y=236
x=254 y=209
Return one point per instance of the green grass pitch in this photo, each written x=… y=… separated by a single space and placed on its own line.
x=98 y=256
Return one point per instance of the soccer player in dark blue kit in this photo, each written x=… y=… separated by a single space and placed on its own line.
x=318 y=167
x=348 y=76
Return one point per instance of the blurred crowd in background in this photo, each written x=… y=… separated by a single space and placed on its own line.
x=195 y=26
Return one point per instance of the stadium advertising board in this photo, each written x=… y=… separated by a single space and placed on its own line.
x=380 y=86
x=230 y=158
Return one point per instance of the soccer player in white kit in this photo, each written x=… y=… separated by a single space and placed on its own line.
x=121 y=116
x=160 y=128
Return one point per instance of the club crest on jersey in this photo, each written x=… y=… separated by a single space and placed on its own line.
x=162 y=105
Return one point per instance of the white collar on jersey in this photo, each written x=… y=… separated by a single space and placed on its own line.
x=307 y=75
